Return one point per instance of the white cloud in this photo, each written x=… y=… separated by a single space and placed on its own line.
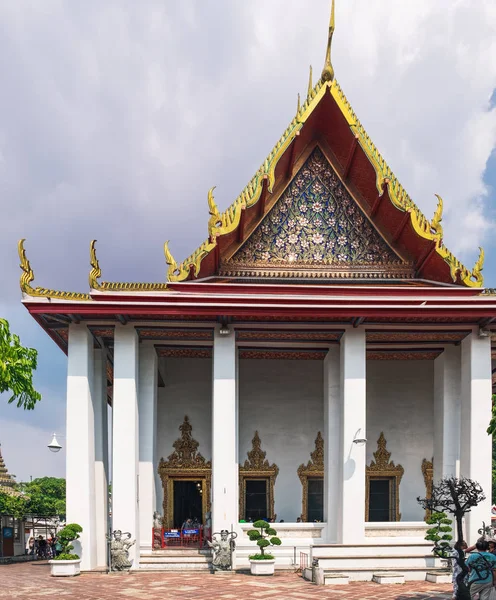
x=116 y=118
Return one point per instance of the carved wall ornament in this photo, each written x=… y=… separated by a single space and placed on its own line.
x=314 y=468
x=382 y=467
x=428 y=473
x=257 y=467
x=186 y=463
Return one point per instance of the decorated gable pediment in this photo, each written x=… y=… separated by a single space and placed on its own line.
x=316 y=226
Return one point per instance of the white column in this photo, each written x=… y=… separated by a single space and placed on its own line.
x=353 y=418
x=447 y=407
x=80 y=449
x=475 y=417
x=125 y=437
x=101 y=454
x=147 y=407
x=332 y=443
x=224 y=433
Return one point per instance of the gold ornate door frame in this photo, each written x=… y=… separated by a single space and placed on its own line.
x=257 y=467
x=313 y=469
x=384 y=468
x=168 y=504
x=184 y=464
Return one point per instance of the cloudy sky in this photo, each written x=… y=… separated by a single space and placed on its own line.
x=116 y=117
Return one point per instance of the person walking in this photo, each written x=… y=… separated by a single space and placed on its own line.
x=482 y=575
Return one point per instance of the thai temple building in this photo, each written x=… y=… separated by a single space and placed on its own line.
x=318 y=360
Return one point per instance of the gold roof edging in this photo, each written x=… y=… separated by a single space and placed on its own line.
x=228 y=221
x=27 y=277
x=430 y=230
x=116 y=286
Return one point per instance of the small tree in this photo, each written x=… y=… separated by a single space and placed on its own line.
x=455 y=496
x=65 y=536
x=13 y=504
x=440 y=534
x=16 y=369
x=264 y=538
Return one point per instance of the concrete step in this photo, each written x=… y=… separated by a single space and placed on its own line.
x=388 y=577
x=175 y=567
x=378 y=562
x=179 y=554
x=338 y=550
x=361 y=574
x=175 y=560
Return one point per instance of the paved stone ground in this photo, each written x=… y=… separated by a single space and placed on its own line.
x=32 y=581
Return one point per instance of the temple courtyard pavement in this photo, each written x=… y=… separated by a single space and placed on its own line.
x=32 y=581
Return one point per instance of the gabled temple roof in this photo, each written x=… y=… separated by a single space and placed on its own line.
x=326 y=118
x=411 y=246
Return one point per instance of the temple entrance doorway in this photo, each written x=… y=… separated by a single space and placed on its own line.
x=188 y=496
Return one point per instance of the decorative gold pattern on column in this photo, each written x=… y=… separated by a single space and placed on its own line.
x=428 y=473
x=186 y=464
x=257 y=467
x=384 y=468
x=314 y=468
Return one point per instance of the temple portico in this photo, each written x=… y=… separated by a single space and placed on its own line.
x=319 y=360
x=346 y=391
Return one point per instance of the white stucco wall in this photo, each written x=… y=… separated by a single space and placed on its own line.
x=187 y=391
x=400 y=402
x=283 y=400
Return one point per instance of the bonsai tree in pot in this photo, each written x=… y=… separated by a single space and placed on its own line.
x=66 y=564
x=264 y=535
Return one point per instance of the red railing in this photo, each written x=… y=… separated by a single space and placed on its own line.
x=178 y=538
x=303 y=561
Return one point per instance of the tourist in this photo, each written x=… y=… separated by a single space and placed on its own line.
x=298 y=520
x=31 y=547
x=482 y=572
x=492 y=546
x=460 y=569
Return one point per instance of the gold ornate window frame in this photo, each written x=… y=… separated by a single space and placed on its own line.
x=184 y=464
x=257 y=467
x=384 y=468
x=428 y=473
x=314 y=469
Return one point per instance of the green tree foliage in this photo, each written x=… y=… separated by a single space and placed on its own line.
x=440 y=534
x=264 y=535
x=491 y=430
x=13 y=505
x=46 y=496
x=65 y=536
x=17 y=364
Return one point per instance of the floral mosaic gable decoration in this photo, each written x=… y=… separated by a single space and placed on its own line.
x=315 y=223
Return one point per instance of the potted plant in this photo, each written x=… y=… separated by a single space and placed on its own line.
x=264 y=535
x=66 y=564
x=440 y=533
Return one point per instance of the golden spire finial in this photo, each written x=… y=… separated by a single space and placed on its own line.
x=298 y=105
x=310 y=84
x=438 y=217
x=328 y=71
x=95 y=272
x=169 y=259
x=215 y=216
x=27 y=272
